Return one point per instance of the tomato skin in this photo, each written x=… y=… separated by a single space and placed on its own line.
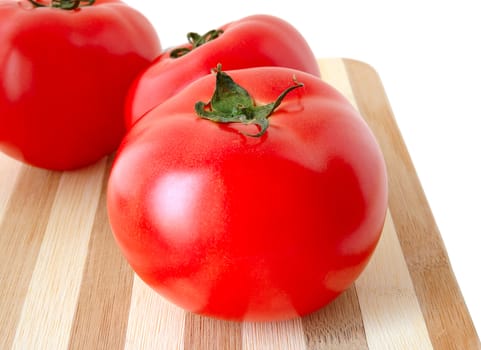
x=245 y=228
x=64 y=76
x=253 y=41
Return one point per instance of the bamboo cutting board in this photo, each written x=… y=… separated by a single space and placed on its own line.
x=64 y=284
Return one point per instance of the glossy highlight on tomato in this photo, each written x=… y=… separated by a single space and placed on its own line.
x=241 y=227
x=65 y=68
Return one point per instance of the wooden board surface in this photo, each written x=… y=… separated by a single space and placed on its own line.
x=64 y=284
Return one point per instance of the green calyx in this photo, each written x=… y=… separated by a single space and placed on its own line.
x=196 y=40
x=231 y=103
x=64 y=4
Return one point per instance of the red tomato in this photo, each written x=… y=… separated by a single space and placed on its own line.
x=250 y=228
x=64 y=75
x=258 y=40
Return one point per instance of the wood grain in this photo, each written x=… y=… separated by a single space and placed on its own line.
x=203 y=333
x=106 y=288
x=24 y=220
x=154 y=323
x=9 y=171
x=338 y=326
x=65 y=285
x=51 y=300
x=273 y=335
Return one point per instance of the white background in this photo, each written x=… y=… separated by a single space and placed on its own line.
x=428 y=56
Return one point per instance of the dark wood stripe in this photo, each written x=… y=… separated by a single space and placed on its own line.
x=338 y=326
x=203 y=333
x=447 y=318
x=21 y=233
x=102 y=312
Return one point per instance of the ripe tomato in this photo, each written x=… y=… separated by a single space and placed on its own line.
x=239 y=227
x=258 y=40
x=65 y=68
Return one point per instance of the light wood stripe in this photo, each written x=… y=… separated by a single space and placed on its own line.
x=337 y=326
x=273 y=335
x=9 y=170
x=204 y=333
x=333 y=72
x=390 y=310
x=154 y=323
x=21 y=234
x=104 y=302
x=47 y=324
x=445 y=313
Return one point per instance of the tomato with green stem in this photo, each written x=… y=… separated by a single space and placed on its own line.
x=65 y=69
x=257 y=194
x=253 y=41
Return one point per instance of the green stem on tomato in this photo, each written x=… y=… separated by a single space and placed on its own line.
x=231 y=103
x=196 y=40
x=64 y=4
